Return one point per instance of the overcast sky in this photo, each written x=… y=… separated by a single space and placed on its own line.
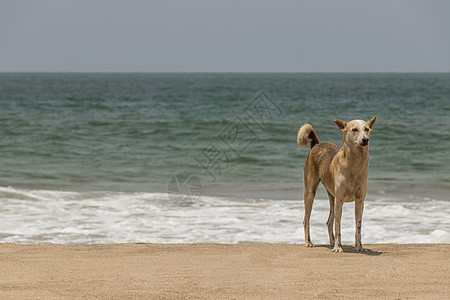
x=224 y=36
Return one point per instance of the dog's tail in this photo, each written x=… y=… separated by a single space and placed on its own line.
x=307 y=136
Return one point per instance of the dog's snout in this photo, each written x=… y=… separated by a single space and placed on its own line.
x=365 y=141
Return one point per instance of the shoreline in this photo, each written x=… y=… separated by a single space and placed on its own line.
x=223 y=271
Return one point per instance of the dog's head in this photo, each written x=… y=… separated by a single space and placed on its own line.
x=356 y=132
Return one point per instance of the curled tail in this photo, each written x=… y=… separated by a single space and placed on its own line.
x=307 y=136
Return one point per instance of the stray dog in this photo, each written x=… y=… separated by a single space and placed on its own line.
x=343 y=172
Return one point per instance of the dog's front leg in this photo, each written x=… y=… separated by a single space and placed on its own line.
x=337 y=225
x=359 y=207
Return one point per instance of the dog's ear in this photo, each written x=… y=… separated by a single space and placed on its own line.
x=371 y=122
x=340 y=124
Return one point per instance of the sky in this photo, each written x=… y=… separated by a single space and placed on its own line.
x=224 y=36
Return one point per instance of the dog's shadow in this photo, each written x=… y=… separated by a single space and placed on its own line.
x=352 y=249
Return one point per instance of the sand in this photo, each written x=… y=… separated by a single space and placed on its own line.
x=222 y=271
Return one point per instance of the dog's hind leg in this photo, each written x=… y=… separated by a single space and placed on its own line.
x=331 y=218
x=310 y=184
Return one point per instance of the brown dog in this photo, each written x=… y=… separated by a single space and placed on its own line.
x=343 y=172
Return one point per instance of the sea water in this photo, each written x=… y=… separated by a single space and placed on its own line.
x=113 y=158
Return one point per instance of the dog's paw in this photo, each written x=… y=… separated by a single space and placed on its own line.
x=337 y=249
x=309 y=244
x=361 y=249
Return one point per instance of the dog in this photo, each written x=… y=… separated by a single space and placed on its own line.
x=343 y=173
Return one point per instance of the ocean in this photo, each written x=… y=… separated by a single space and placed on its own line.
x=184 y=158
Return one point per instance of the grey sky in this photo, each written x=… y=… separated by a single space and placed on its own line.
x=225 y=36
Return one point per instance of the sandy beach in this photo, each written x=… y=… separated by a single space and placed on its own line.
x=224 y=271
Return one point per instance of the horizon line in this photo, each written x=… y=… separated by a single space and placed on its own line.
x=224 y=72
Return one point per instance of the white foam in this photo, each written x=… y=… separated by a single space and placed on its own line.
x=33 y=216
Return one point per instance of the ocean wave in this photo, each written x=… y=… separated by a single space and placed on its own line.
x=34 y=216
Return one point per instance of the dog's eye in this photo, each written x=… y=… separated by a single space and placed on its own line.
x=367 y=129
x=355 y=129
